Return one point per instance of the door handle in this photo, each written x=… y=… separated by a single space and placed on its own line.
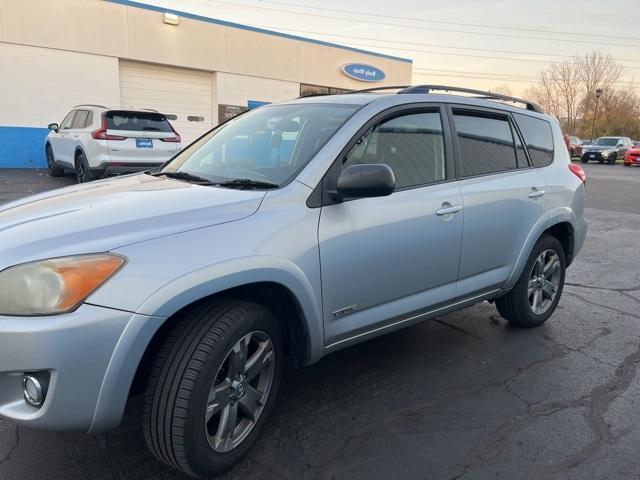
x=448 y=209
x=535 y=193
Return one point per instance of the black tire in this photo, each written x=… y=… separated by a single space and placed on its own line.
x=83 y=173
x=613 y=159
x=182 y=376
x=515 y=306
x=584 y=160
x=54 y=170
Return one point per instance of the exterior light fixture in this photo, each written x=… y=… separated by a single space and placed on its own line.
x=171 y=19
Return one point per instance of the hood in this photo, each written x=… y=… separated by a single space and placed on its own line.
x=598 y=148
x=103 y=215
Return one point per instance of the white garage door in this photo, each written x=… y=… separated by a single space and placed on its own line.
x=184 y=96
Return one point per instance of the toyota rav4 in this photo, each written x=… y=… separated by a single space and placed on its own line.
x=284 y=234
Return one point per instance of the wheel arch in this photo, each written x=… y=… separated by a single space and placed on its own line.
x=79 y=150
x=130 y=363
x=561 y=224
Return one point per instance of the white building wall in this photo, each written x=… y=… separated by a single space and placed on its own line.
x=233 y=89
x=40 y=85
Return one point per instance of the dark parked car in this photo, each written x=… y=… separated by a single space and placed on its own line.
x=606 y=149
x=575 y=146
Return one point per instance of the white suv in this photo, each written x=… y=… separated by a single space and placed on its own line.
x=95 y=141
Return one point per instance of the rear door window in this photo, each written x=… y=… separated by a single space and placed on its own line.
x=137 y=121
x=538 y=137
x=80 y=120
x=486 y=143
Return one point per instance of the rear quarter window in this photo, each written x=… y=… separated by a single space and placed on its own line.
x=538 y=136
x=137 y=121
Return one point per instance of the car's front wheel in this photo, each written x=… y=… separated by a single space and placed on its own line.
x=54 y=170
x=535 y=295
x=212 y=386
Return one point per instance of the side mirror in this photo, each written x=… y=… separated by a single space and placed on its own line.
x=366 y=180
x=54 y=127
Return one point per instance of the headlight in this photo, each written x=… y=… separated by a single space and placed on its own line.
x=56 y=285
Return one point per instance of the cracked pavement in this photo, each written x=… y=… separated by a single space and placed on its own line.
x=463 y=397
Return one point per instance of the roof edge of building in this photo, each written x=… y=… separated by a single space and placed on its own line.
x=225 y=23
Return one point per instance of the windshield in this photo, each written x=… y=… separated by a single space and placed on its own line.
x=606 y=142
x=270 y=144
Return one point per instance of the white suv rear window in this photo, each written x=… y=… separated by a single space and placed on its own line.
x=137 y=121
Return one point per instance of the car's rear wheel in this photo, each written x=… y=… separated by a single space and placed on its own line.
x=535 y=295
x=54 y=170
x=212 y=386
x=83 y=174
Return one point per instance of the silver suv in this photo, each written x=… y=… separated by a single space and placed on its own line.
x=289 y=232
x=95 y=141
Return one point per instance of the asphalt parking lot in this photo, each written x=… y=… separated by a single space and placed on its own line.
x=463 y=396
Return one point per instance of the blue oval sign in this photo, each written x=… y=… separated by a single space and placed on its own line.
x=363 y=72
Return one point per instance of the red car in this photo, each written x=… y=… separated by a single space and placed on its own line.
x=632 y=155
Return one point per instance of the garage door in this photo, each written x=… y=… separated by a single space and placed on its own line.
x=185 y=96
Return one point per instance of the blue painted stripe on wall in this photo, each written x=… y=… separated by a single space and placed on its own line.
x=22 y=147
x=225 y=23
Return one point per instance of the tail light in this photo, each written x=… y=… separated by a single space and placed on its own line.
x=578 y=172
x=101 y=133
x=175 y=139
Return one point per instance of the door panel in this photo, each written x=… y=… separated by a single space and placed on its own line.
x=384 y=257
x=502 y=197
x=64 y=144
x=498 y=216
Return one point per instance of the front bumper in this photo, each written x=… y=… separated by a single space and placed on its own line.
x=597 y=157
x=75 y=348
x=631 y=160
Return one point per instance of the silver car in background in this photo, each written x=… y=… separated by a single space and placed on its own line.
x=288 y=232
x=95 y=141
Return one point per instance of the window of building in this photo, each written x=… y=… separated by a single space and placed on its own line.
x=80 y=120
x=538 y=137
x=486 y=143
x=307 y=89
x=412 y=145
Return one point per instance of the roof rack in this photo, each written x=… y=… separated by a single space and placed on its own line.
x=89 y=105
x=424 y=89
x=482 y=94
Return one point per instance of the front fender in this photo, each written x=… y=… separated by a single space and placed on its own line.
x=183 y=291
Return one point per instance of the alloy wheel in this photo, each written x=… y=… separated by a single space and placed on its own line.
x=240 y=391
x=544 y=281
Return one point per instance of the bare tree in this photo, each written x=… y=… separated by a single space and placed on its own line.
x=596 y=71
x=567 y=88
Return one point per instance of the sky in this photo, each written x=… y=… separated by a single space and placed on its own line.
x=468 y=43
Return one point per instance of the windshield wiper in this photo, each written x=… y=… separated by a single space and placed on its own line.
x=247 y=183
x=189 y=177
